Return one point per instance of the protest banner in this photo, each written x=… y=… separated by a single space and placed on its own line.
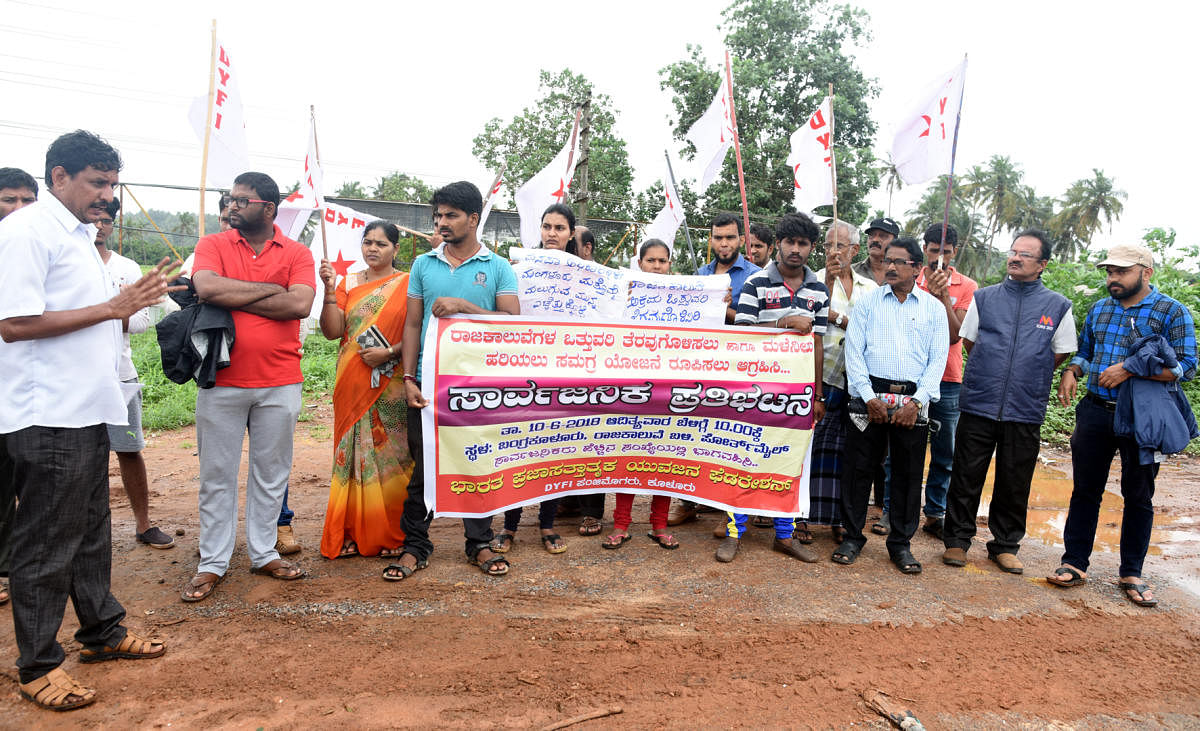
x=557 y=285
x=524 y=409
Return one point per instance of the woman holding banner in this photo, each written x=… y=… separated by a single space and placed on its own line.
x=558 y=232
x=654 y=256
x=371 y=463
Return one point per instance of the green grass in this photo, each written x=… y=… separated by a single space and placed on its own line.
x=169 y=405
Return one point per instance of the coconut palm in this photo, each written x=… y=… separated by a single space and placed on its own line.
x=998 y=191
x=1088 y=205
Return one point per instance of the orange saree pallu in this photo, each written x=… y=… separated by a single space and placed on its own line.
x=371 y=462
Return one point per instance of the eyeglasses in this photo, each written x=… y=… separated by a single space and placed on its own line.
x=243 y=202
x=105 y=222
x=1024 y=254
x=898 y=262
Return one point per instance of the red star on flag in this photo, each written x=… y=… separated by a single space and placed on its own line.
x=294 y=196
x=341 y=266
x=561 y=192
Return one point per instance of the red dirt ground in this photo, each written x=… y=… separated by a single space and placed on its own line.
x=672 y=639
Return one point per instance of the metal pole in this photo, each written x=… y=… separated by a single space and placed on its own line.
x=686 y=234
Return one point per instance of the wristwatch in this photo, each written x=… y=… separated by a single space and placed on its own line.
x=915 y=400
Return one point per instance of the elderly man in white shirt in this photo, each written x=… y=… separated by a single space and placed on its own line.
x=60 y=321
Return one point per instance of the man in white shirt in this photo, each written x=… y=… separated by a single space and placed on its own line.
x=127 y=440
x=17 y=190
x=60 y=321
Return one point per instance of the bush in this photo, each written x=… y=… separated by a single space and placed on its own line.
x=169 y=405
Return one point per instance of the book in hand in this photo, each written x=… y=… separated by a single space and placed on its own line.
x=372 y=338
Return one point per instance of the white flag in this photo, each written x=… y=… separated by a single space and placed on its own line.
x=309 y=194
x=488 y=203
x=712 y=136
x=811 y=160
x=925 y=136
x=344 y=227
x=551 y=185
x=228 y=154
x=667 y=222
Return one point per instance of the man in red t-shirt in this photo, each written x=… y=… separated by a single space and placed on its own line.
x=268 y=282
x=955 y=290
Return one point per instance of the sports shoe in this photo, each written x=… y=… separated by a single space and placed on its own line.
x=285 y=541
x=155 y=538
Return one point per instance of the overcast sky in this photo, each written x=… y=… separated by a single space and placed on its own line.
x=1060 y=87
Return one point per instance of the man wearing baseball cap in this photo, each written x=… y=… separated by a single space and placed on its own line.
x=879 y=234
x=1133 y=310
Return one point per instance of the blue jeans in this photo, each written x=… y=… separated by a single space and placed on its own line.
x=285 y=514
x=941 y=453
x=941 y=449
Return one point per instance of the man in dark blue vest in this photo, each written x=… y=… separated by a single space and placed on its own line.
x=1016 y=333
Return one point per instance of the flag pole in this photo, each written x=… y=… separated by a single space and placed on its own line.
x=950 y=178
x=737 y=145
x=212 y=87
x=312 y=115
x=491 y=194
x=832 y=161
x=686 y=234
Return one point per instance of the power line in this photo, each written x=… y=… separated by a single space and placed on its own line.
x=38 y=33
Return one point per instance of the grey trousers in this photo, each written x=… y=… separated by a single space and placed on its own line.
x=62 y=543
x=223 y=416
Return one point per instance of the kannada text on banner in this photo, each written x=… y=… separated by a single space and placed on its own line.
x=523 y=410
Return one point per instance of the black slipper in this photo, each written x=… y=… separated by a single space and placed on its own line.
x=846 y=553
x=905 y=561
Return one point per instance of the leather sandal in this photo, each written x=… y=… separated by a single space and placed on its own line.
x=54 y=691
x=280 y=569
x=400 y=572
x=194 y=590
x=132 y=647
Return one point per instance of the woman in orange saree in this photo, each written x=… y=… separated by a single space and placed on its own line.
x=371 y=464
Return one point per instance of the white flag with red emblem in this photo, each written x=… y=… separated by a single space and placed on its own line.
x=489 y=202
x=551 y=185
x=228 y=154
x=344 y=228
x=669 y=219
x=309 y=195
x=712 y=135
x=811 y=161
x=924 y=140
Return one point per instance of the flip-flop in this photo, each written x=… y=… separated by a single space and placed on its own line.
x=1141 y=589
x=284 y=570
x=502 y=542
x=663 y=539
x=621 y=540
x=349 y=548
x=194 y=585
x=549 y=540
x=391 y=552
x=1077 y=579
x=804 y=535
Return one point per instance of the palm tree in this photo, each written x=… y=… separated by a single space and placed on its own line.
x=1035 y=210
x=892 y=175
x=1085 y=204
x=998 y=190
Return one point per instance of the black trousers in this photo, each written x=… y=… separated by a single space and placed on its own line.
x=864 y=452
x=1016 y=448
x=8 y=509
x=547 y=511
x=592 y=505
x=416 y=517
x=61 y=543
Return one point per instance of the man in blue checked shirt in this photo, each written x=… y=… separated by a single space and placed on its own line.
x=1134 y=309
x=895 y=349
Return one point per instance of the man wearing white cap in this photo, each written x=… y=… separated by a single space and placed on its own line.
x=1133 y=310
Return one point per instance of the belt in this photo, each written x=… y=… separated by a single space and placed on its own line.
x=1109 y=405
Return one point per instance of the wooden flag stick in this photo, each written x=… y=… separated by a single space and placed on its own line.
x=620 y=243
x=737 y=145
x=950 y=178
x=312 y=114
x=413 y=232
x=212 y=86
x=832 y=161
x=152 y=223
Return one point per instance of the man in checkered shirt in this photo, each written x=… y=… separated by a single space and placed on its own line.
x=1134 y=309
